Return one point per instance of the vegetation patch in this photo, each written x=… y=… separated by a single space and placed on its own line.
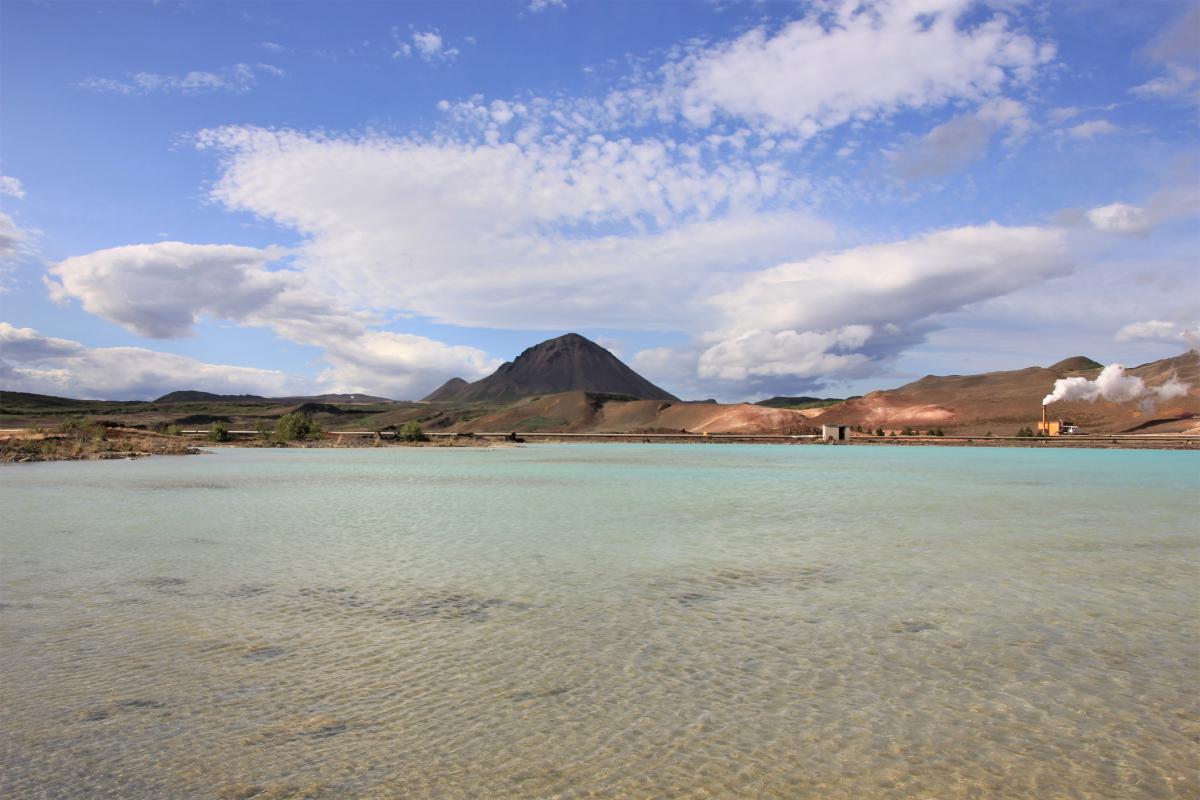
x=296 y=427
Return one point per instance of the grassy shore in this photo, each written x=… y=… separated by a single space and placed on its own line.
x=38 y=446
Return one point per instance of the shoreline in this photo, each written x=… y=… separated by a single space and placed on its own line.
x=31 y=447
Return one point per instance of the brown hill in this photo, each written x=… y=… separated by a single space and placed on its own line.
x=447 y=391
x=583 y=412
x=569 y=363
x=1004 y=402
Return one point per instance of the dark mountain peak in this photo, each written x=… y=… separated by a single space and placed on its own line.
x=1075 y=364
x=193 y=396
x=568 y=363
x=446 y=391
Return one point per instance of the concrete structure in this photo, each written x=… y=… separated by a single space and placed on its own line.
x=836 y=433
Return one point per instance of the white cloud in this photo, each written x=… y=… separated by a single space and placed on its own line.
x=1061 y=115
x=960 y=141
x=1121 y=218
x=31 y=362
x=11 y=187
x=1091 y=129
x=855 y=63
x=846 y=312
x=428 y=45
x=1176 y=51
x=555 y=232
x=1157 y=330
x=14 y=240
x=162 y=290
x=541 y=5
x=239 y=78
x=757 y=354
x=1179 y=82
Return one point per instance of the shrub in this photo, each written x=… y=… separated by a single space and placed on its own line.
x=879 y=431
x=907 y=431
x=80 y=428
x=296 y=426
x=172 y=430
x=411 y=432
x=219 y=432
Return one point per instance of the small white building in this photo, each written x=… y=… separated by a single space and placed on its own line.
x=836 y=433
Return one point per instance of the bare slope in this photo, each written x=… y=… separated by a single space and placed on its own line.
x=1004 y=402
x=582 y=412
x=569 y=363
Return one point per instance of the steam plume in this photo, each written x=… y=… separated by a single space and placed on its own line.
x=1115 y=385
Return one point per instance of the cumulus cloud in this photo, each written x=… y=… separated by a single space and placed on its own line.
x=162 y=290
x=31 y=362
x=239 y=78
x=1121 y=218
x=541 y=5
x=11 y=187
x=1178 y=199
x=855 y=63
x=427 y=45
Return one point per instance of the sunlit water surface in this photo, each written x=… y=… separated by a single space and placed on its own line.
x=602 y=621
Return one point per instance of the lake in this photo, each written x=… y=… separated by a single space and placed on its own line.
x=641 y=621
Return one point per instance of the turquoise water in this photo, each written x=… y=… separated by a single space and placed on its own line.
x=602 y=621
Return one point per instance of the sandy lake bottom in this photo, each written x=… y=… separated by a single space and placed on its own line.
x=610 y=621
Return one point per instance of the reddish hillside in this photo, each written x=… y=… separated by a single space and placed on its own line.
x=580 y=412
x=1003 y=402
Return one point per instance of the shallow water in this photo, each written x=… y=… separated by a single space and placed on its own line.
x=602 y=621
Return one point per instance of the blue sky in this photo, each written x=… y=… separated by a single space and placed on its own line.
x=739 y=199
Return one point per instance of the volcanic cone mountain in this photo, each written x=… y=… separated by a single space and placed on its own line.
x=567 y=364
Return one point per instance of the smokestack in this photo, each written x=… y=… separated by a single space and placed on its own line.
x=1043 y=418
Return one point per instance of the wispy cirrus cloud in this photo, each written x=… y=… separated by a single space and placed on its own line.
x=12 y=187
x=238 y=79
x=1176 y=51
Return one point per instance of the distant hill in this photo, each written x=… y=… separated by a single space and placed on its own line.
x=447 y=391
x=208 y=397
x=1004 y=402
x=798 y=402
x=191 y=396
x=568 y=363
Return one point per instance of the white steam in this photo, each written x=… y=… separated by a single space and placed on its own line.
x=1114 y=385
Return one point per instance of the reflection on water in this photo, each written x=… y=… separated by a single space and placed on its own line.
x=602 y=621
